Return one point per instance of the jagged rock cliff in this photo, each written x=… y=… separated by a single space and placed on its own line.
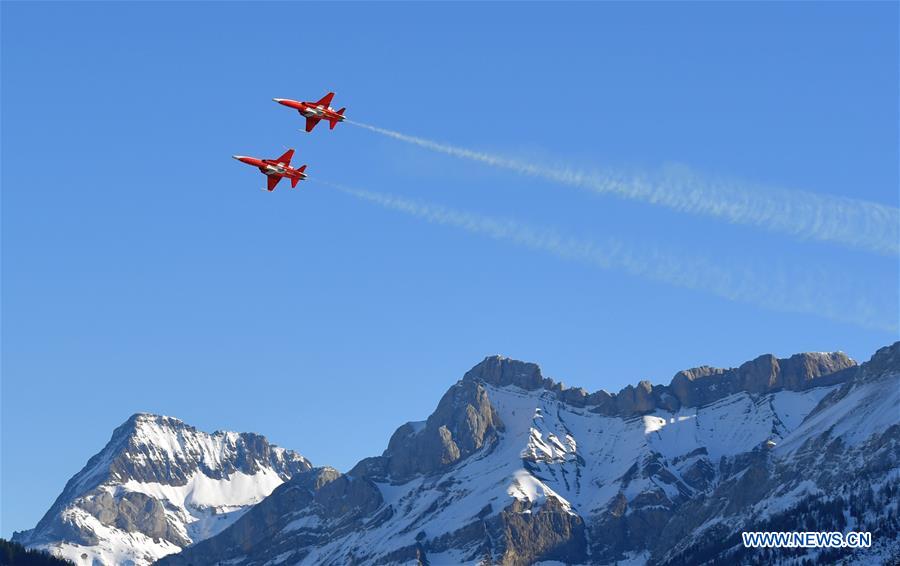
x=513 y=468
x=689 y=388
x=158 y=486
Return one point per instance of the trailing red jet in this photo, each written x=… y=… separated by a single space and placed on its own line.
x=315 y=111
x=276 y=169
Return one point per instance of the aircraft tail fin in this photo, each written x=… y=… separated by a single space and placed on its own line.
x=295 y=180
x=334 y=121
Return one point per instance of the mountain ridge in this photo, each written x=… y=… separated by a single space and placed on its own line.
x=513 y=467
x=507 y=470
x=689 y=387
x=163 y=482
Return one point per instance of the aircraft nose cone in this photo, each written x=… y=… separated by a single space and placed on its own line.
x=279 y=100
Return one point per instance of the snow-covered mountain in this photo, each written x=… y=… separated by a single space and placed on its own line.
x=159 y=485
x=513 y=468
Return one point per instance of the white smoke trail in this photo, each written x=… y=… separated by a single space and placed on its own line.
x=850 y=222
x=799 y=292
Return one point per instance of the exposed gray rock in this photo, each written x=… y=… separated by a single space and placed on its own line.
x=463 y=423
x=689 y=388
x=699 y=386
x=635 y=400
x=703 y=385
x=428 y=497
x=133 y=512
x=500 y=371
x=575 y=396
x=318 y=522
x=147 y=450
x=548 y=532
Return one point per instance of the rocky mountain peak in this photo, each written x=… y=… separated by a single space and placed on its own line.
x=463 y=423
x=158 y=448
x=514 y=468
x=145 y=428
x=763 y=374
x=142 y=417
x=884 y=360
x=159 y=485
x=500 y=371
x=688 y=388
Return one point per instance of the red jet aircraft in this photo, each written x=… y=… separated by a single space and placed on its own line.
x=276 y=169
x=315 y=111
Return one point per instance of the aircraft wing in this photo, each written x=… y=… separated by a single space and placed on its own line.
x=273 y=180
x=311 y=123
x=326 y=100
x=286 y=158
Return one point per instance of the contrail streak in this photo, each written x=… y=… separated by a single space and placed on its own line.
x=799 y=292
x=804 y=215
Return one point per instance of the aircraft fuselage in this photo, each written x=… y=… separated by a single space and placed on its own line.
x=271 y=167
x=311 y=109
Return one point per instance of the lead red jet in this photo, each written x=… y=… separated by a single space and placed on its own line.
x=315 y=111
x=276 y=169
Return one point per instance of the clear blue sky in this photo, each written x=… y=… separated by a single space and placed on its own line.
x=144 y=270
